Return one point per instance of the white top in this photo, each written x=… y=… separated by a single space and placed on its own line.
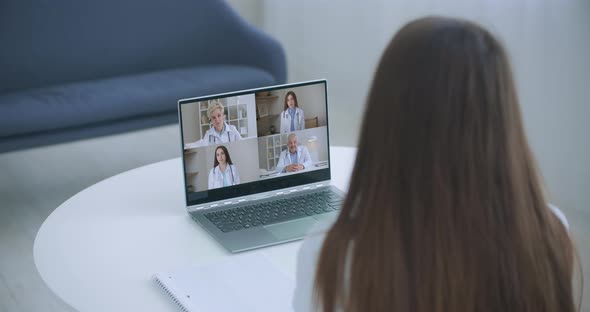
x=230 y=134
x=216 y=176
x=303 y=157
x=286 y=120
x=307 y=258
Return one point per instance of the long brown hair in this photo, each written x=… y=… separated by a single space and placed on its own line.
x=445 y=210
x=227 y=157
x=291 y=93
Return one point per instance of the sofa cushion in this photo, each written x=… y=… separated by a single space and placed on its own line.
x=99 y=101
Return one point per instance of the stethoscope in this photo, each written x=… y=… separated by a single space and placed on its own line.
x=233 y=180
x=286 y=112
x=215 y=137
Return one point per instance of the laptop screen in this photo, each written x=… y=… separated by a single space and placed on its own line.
x=252 y=141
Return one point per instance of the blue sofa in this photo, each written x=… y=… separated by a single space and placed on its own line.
x=77 y=69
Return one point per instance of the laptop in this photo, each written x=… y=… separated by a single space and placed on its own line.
x=256 y=163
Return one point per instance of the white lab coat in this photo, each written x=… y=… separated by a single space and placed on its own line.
x=303 y=157
x=231 y=134
x=286 y=120
x=216 y=177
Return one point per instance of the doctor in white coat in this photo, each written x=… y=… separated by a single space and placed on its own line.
x=292 y=117
x=221 y=132
x=295 y=158
x=224 y=172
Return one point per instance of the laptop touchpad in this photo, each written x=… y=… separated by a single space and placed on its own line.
x=291 y=229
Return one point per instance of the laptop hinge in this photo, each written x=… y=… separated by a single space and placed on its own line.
x=253 y=197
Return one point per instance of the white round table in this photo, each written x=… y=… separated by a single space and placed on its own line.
x=99 y=250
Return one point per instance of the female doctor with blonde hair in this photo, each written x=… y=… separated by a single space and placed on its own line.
x=292 y=117
x=224 y=172
x=220 y=132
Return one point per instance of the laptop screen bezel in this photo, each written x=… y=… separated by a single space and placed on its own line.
x=259 y=186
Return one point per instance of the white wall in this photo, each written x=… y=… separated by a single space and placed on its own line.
x=548 y=41
x=251 y=10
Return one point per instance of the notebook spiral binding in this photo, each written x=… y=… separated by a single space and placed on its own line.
x=169 y=293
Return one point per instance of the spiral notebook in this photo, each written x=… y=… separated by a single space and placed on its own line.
x=244 y=282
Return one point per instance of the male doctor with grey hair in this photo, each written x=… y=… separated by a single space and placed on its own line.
x=295 y=158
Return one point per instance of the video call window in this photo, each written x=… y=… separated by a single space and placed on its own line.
x=247 y=138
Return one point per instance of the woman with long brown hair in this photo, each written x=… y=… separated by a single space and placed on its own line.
x=445 y=209
x=224 y=171
x=292 y=116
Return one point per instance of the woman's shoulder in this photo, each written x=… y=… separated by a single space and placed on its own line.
x=312 y=244
x=307 y=258
x=559 y=214
x=318 y=231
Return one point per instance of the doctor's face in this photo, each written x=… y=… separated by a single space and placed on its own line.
x=220 y=155
x=217 y=119
x=292 y=144
x=290 y=101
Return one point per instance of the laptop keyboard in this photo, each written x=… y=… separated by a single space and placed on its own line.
x=270 y=212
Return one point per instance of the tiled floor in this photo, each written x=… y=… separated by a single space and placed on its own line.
x=34 y=182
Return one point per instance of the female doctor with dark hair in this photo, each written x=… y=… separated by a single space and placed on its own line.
x=292 y=117
x=224 y=172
